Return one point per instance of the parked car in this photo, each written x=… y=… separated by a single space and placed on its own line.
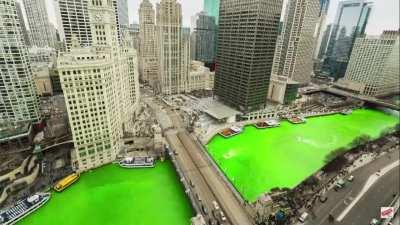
x=303 y=217
x=350 y=178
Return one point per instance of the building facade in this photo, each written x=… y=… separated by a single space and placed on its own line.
x=73 y=18
x=321 y=25
x=204 y=38
x=200 y=77
x=42 y=32
x=100 y=85
x=170 y=45
x=25 y=32
x=41 y=78
x=350 y=22
x=42 y=55
x=373 y=68
x=211 y=7
x=123 y=17
x=18 y=98
x=245 y=51
x=148 y=63
x=293 y=60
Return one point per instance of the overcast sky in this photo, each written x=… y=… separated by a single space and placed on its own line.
x=385 y=14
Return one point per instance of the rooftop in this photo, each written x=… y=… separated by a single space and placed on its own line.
x=9 y=132
x=220 y=111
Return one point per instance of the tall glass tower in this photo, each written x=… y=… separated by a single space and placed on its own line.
x=212 y=8
x=351 y=20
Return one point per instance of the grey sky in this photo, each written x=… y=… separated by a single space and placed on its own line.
x=385 y=14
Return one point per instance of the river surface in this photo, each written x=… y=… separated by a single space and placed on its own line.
x=111 y=195
x=258 y=160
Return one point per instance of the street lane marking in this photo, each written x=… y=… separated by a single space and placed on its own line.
x=371 y=180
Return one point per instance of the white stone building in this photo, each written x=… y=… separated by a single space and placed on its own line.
x=100 y=84
x=170 y=45
x=200 y=77
x=293 y=59
x=18 y=99
x=373 y=68
x=148 y=63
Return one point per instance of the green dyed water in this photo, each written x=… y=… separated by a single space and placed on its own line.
x=256 y=161
x=114 y=196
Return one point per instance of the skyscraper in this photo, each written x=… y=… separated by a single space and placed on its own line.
x=294 y=49
x=148 y=64
x=203 y=48
x=374 y=65
x=324 y=42
x=245 y=51
x=41 y=31
x=18 y=99
x=350 y=22
x=73 y=18
x=323 y=12
x=122 y=9
x=24 y=30
x=170 y=48
x=100 y=86
x=211 y=7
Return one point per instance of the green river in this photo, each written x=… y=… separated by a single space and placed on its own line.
x=111 y=195
x=256 y=160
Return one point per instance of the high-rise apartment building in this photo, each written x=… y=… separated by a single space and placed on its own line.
x=373 y=68
x=73 y=18
x=246 y=43
x=350 y=22
x=211 y=7
x=204 y=38
x=148 y=63
x=18 y=99
x=24 y=30
x=42 y=32
x=100 y=85
x=293 y=59
x=171 y=69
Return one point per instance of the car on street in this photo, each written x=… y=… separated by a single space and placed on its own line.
x=303 y=217
x=216 y=206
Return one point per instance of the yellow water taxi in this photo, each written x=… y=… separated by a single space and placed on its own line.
x=66 y=182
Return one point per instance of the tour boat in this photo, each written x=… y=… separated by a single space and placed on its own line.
x=66 y=182
x=23 y=208
x=137 y=162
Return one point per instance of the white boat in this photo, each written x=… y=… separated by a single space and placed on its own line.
x=347 y=112
x=23 y=208
x=236 y=129
x=137 y=162
x=272 y=123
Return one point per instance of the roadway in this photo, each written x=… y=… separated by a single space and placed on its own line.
x=202 y=174
x=337 y=201
x=380 y=194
